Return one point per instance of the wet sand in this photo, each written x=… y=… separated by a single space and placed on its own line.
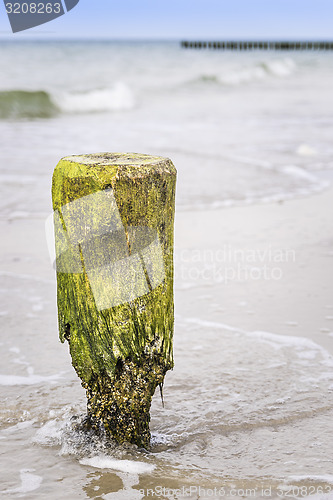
x=262 y=267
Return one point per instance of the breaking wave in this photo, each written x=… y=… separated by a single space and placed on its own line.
x=16 y=104
x=117 y=98
x=278 y=68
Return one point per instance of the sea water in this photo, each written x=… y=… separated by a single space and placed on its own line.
x=247 y=414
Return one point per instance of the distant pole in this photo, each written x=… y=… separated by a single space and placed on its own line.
x=114 y=220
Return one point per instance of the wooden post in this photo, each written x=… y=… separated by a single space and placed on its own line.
x=114 y=218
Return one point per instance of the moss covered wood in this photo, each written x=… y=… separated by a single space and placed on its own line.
x=114 y=219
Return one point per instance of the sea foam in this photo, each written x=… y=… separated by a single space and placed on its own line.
x=29 y=482
x=117 y=98
x=11 y=380
x=258 y=71
x=130 y=466
x=17 y=104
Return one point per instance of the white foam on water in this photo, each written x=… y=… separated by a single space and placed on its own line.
x=307 y=354
x=11 y=380
x=285 y=340
x=18 y=427
x=243 y=75
x=276 y=180
x=20 y=361
x=89 y=448
x=274 y=339
x=305 y=348
x=256 y=162
x=259 y=197
x=50 y=434
x=159 y=438
x=127 y=470
x=117 y=98
x=292 y=375
x=29 y=482
x=322 y=478
x=305 y=150
x=14 y=349
x=280 y=68
x=299 y=172
x=130 y=466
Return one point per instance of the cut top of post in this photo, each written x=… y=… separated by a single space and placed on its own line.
x=90 y=173
x=80 y=175
x=133 y=163
x=134 y=159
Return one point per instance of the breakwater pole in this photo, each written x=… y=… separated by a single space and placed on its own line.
x=113 y=221
x=258 y=45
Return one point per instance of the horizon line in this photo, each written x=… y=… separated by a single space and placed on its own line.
x=42 y=38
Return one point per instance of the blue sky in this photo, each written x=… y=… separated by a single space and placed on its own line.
x=177 y=19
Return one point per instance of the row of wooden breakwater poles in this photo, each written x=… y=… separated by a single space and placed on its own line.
x=257 y=45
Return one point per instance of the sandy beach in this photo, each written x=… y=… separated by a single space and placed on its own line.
x=287 y=245
x=259 y=267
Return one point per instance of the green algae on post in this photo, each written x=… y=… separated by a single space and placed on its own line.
x=113 y=220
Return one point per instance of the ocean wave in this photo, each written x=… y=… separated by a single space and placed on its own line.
x=26 y=104
x=280 y=67
x=117 y=98
x=246 y=74
x=16 y=104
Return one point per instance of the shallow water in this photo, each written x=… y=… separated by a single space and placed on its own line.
x=247 y=413
x=241 y=128
x=243 y=410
